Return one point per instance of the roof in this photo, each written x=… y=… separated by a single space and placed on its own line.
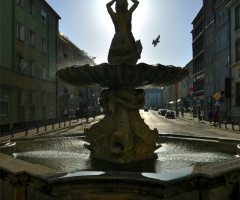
x=46 y=4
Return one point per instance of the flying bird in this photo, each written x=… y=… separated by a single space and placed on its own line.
x=156 y=41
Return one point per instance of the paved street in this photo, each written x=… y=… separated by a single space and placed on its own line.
x=178 y=126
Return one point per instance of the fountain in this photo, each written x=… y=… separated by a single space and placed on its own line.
x=122 y=136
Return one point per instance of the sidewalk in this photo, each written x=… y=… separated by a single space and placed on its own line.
x=66 y=128
x=226 y=127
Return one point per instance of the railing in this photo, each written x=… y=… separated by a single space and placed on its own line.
x=41 y=126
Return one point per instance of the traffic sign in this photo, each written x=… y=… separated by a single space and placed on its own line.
x=198 y=102
x=217 y=103
x=217 y=96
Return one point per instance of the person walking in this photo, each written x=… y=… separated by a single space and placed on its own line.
x=182 y=111
x=215 y=118
x=210 y=116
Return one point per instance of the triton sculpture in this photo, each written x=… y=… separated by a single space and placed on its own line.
x=122 y=136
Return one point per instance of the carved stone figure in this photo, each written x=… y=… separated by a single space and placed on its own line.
x=122 y=136
x=124 y=48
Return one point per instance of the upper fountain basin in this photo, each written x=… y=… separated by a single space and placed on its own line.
x=123 y=75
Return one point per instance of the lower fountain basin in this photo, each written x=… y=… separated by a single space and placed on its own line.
x=171 y=176
x=68 y=154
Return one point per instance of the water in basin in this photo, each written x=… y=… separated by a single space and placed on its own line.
x=69 y=155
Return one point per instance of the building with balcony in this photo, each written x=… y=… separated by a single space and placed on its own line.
x=28 y=61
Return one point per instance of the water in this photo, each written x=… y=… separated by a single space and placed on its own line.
x=69 y=155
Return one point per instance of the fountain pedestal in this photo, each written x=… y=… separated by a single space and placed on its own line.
x=122 y=136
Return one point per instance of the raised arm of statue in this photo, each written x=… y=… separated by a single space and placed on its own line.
x=134 y=6
x=109 y=8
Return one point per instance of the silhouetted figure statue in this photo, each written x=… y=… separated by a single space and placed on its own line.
x=124 y=48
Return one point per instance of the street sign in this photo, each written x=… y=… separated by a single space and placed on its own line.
x=198 y=102
x=217 y=96
x=217 y=103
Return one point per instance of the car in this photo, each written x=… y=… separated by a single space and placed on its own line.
x=170 y=114
x=163 y=112
x=145 y=109
x=159 y=111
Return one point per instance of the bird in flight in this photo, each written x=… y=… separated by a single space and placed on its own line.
x=156 y=41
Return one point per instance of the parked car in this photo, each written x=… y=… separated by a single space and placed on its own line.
x=170 y=114
x=163 y=112
x=159 y=111
x=145 y=109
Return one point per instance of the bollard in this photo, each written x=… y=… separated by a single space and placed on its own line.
x=12 y=136
x=37 y=128
x=232 y=125
x=26 y=130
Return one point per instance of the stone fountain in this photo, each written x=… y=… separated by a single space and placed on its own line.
x=122 y=136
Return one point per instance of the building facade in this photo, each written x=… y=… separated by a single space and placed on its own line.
x=186 y=88
x=233 y=87
x=71 y=98
x=28 y=61
x=198 y=60
x=209 y=55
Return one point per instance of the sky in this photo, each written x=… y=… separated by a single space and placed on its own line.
x=88 y=25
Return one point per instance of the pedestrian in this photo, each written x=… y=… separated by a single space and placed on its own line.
x=210 y=116
x=182 y=111
x=215 y=117
x=65 y=114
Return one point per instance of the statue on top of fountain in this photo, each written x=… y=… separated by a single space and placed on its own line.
x=124 y=48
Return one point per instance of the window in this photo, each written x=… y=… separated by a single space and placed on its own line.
x=3 y=105
x=218 y=41
x=43 y=46
x=237 y=50
x=44 y=17
x=20 y=2
x=227 y=60
x=223 y=16
x=237 y=17
x=65 y=55
x=32 y=68
x=43 y=72
x=31 y=98
x=227 y=36
x=44 y=99
x=20 y=31
x=220 y=20
x=238 y=94
x=20 y=97
x=32 y=8
x=21 y=64
x=31 y=38
x=218 y=63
